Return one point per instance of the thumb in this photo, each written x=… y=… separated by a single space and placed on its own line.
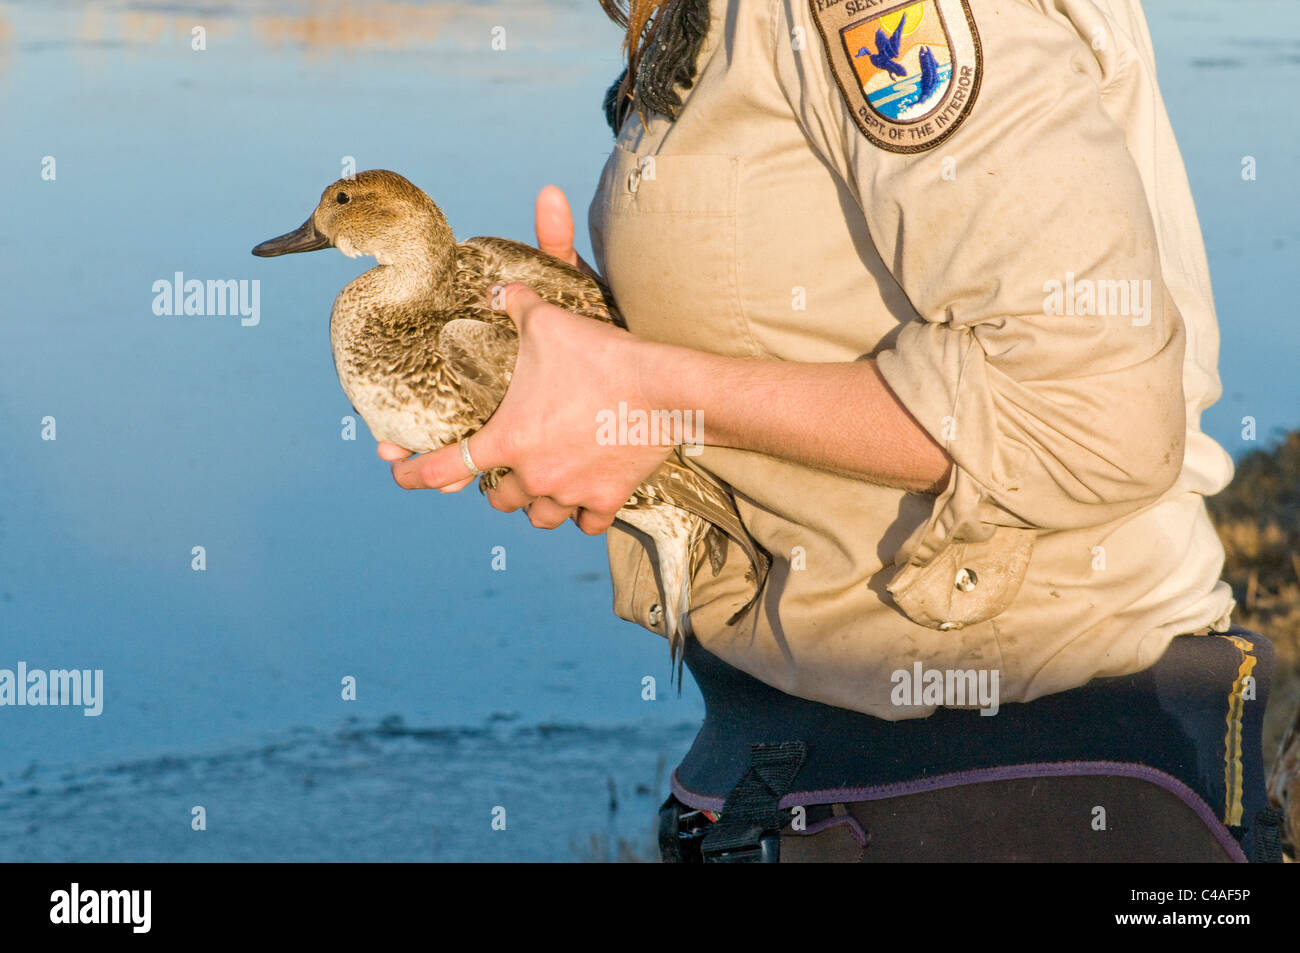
x=517 y=300
x=554 y=221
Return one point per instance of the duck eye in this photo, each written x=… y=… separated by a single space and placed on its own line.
x=343 y=198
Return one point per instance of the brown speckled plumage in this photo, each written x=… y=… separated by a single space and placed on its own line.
x=425 y=361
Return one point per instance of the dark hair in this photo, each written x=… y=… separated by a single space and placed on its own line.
x=662 y=41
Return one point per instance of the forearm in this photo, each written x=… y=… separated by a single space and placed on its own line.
x=840 y=417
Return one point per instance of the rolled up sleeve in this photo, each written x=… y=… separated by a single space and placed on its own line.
x=1017 y=239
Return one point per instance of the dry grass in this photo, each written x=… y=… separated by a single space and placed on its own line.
x=604 y=849
x=610 y=847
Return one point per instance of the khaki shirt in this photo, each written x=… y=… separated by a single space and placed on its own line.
x=1072 y=539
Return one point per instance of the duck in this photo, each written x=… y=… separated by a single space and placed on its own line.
x=425 y=361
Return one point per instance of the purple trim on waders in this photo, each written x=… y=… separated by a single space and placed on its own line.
x=1004 y=773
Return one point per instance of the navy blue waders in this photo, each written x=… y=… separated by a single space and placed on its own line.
x=1161 y=765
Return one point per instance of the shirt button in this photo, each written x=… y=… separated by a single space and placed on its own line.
x=656 y=615
x=634 y=180
x=948 y=626
x=966 y=580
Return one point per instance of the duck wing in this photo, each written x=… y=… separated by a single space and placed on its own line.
x=481 y=344
x=676 y=484
x=482 y=356
x=896 y=40
x=485 y=261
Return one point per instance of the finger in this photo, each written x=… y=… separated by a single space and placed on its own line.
x=555 y=224
x=545 y=513
x=457 y=487
x=509 y=495
x=593 y=523
x=516 y=300
x=392 y=452
x=445 y=468
x=555 y=228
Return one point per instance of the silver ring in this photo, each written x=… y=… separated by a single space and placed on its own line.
x=468 y=460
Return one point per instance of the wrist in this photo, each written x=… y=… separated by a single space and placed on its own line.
x=667 y=386
x=652 y=373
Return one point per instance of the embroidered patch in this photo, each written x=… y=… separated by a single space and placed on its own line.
x=909 y=72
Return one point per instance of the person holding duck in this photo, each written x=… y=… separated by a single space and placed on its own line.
x=958 y=482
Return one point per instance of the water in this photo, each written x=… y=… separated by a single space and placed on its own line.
x=358 y=792
x=516 y=689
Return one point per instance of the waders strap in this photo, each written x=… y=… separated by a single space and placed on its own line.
x=749 y=830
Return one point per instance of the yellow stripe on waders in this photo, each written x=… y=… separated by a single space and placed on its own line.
x=1233 y=772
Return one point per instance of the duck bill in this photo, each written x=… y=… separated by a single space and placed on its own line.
x=303 y=238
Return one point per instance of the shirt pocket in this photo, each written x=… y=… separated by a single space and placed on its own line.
x=664 y=230
x=965 y=583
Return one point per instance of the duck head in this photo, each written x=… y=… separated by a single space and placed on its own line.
x=376 y=213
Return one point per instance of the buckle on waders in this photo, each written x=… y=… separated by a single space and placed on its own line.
x=681 y=831
x=749 y=829
x=766 y=849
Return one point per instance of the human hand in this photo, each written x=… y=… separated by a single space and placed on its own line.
x=569 y=371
